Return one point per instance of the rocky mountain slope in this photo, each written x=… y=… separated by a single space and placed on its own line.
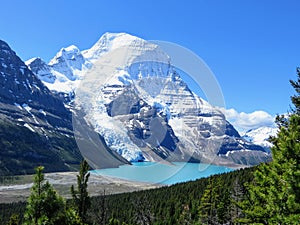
x=35 y=126
x=127 y=89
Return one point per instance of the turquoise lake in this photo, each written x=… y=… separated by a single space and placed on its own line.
x=152 y=172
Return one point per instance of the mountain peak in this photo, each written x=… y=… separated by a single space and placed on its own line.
x=261 y=135
x=21 y=86
x=68 y=64
x=41 y=69
x=140 y=103
x=64 y=72
x=4 y=46
x=68 y=53
x=29 y=61
x=112 y=41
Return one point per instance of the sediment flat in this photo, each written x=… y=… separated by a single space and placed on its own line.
x=62 y=182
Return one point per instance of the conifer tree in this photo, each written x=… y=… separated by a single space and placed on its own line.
x=208 y=203
x=185 y=216
x=81 y=198
x=143 y=212
x=114 y=221
x=238 y=194
x=45 y=206
x=296 y=98
x=14 y=220
x=274 y=196
x=224 y=206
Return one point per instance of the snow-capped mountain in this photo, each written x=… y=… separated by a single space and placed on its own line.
x=34 y=124
x=136 y=100
x=64 y=72
x=261 y=135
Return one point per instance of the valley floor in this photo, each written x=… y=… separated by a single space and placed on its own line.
x=62 y=182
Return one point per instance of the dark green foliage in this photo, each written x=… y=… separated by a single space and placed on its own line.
x=185 y=217
x=45 y=206
x=81 y=198
x=7 y=210
x=14 y=220
x=218 y=202
x=143 y=213
x=114 y=221
x=176 y=204
x=296 y=98
x=98 y=211
x=209 y=202
x=274 y=194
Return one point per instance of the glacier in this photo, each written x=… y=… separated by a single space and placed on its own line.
x=137 y=101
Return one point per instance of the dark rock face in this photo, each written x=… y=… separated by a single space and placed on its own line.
x=148 y=128
x=39 y=67
x=236 y=144
x=231 y=131
x=19 y=85
x=35 y=126
x=242 y=152
x=126 y=103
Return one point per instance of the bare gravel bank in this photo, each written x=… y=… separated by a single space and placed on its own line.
x=62 y=182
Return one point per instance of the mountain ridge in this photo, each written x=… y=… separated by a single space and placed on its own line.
x=149 y=77
x=35 y=126
x=261 y=135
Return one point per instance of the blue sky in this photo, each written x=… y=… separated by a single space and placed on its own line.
x=251 y=46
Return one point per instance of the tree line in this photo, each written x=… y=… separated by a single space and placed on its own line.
x=183 y=203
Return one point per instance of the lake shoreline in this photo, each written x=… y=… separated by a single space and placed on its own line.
x=98 y=184
x=166 y=174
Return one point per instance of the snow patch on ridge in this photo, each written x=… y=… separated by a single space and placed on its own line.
x=260 y=136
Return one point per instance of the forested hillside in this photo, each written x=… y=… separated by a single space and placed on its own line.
x=185 y=203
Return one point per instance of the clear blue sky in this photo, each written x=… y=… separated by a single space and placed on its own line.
x=252 y=46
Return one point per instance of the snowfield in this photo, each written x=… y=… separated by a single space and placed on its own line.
x=121 y=66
